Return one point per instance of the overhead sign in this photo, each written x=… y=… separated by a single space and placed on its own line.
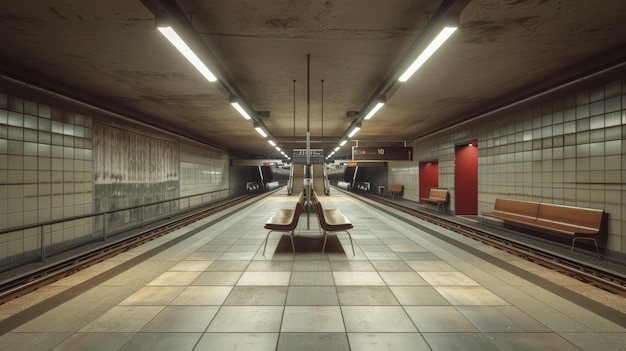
x=382 y=153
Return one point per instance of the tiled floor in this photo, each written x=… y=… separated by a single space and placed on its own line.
x=210 y=288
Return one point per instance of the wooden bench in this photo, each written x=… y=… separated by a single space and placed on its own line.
x=577 y=223
x=395 y=189
x=285 y=220
x=332 y=220
x=438 y=197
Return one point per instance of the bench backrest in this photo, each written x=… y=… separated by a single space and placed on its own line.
x=583 y=217
x=439 y=194
x=524 y=208
x=396 y=187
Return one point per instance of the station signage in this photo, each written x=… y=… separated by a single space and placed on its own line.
x=382 y=153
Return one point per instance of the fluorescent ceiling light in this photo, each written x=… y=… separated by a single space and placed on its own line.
x=343 y=142
x=261 y=131
x=430 y=49
x=277 y=148
x=337 y=148
x=176 y=40
x=271 y=142
x=354 y=131
x=240 y=110
x=374 y=110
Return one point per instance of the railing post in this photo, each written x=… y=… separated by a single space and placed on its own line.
x=104 y=227
x=43 y=244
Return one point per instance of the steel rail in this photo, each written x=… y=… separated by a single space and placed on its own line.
x=31 y=281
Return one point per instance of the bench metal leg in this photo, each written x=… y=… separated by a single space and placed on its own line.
x=293 y=247
x=594 y=241
x=349 y=236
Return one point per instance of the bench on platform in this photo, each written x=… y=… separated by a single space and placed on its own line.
x=569 y=221
x=332 y=220
x=395 y=189
x=285 y=220
x=438 y=197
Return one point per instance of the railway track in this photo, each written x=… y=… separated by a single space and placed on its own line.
x=576 y=269
x=37 y=278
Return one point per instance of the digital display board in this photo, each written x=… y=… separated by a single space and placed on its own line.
x=382 y=153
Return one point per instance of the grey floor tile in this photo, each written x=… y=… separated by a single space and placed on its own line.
x=391 y=266
x=439 y=319
x=270 y=266
x=418 y=295
x=162 y=342
x=236 y=256
x=469 y=295
x=314 y=319
x=532 y=341
x=311 y=278
x=594 y=341
x=311 y=266
x=461 y=342
x=382 y=256
x=122 y=319
x=436 y=265
x=214 y=248
x=153 y=295
x=90 y=341
x=182 y=319
x=365 y=295
x=237 y=342
x=228 y=266
x=264 y=278
x=447 y=278
x=313 y=342
x=384 y=319
x=312 y=296
x=247 y=319
x=191 y=266
x=501 y=319
x=402 y=278
x=217 y=278
x=202 y=295
x=257 y=295
x=203 y=256
x=387 y=341
x=374 y=248
x=175 y=278
x=352 y=266
x=357 y=278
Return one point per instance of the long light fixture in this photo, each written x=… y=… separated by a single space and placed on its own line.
x=445 y=33
x=240 y=110
x=343 y=142
x=373 y=111
x=260 y=130
x=271 y=142
x=354 y=130
x=184 y=49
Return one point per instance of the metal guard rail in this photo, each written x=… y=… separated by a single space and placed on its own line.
x=14 y=259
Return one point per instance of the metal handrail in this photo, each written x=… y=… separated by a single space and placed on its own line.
x=69 y=244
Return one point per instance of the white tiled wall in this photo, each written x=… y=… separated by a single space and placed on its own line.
x=45 y=172
x=565 y=149
x=202 y=171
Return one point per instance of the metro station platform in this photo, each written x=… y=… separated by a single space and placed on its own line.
x=209 y=287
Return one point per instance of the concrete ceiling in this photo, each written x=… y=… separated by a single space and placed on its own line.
x=109 y=53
